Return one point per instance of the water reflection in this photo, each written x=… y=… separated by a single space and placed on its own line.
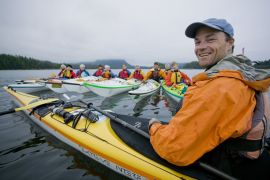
x=140 y=105
x=171 y=104
x=114 y=101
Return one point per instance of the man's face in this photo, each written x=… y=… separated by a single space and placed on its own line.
x=211 y=46
x=156 y=66
x=124 y=67
x=100 y=67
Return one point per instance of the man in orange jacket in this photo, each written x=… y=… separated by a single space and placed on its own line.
x=223 y=119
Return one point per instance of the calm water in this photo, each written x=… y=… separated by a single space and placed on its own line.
x=28 y=152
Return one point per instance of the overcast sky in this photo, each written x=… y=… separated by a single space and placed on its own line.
x=140 y=31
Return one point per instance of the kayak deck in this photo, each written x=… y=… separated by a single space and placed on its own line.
x=176 y=93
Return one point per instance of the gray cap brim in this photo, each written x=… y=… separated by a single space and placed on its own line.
x=193 y=28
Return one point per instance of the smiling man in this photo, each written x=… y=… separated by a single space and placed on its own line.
x=225 y=113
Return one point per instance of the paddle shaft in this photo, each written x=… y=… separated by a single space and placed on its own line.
x=29 y=106
x=123 y=123
x=63 y=83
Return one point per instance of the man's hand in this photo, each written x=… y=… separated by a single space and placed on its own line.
x=151 y=122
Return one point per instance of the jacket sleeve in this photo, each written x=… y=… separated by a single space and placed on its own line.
x=142 y=73
x=187 y=80
x=168 y=79
x=163 y=74
x=148 y=75
x=212 y=111
x=131 y=75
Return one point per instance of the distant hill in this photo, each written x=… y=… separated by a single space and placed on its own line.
x=262 y=64
x=9 y=62
x=113 y=63
x=21 y=62
x=192 y=65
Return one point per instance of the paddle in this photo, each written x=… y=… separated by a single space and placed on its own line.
x=69 y=83
x=29 y=106
x=62 y=82
x=146 y=135
x=116 y=119
x=30 y=81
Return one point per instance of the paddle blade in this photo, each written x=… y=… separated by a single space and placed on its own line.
x=35 y=104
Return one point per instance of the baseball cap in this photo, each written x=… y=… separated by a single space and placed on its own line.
x=218 y=24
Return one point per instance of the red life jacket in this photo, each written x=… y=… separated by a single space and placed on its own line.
x=138 y=75
x=70 y=74
x=79 y=73
x=98 y=72
x=123 y=74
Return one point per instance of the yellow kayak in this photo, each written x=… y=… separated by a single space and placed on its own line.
x=94 y=135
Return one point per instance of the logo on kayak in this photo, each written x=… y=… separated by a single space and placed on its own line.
x=138 y=124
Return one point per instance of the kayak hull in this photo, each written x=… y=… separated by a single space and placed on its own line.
x=56 y=86
x=101 y=144
x=146 y=89
x=29 y=87
x=76 y=88
x=108 y=88
x=76 y=85
x=177 y=94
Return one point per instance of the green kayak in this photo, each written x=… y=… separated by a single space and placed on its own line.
x=176 y=93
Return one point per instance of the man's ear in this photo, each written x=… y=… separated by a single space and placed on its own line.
x=231 y=41
x=231 y=44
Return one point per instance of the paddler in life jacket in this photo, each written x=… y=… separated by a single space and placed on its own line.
x=100 y=71
x=62 y=71
x=82 y=72
x=225 y=114
x=155 y=73
x=168 y=69
x=137 y=74
x=69 y=73
x=124 y=73
x=108 y=73
x=176 y=77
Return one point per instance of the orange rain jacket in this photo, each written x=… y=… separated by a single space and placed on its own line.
x=219 y=105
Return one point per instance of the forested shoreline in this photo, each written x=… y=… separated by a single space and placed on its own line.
x=11 y=62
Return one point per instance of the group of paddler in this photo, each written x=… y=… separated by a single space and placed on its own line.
x=172 y=75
